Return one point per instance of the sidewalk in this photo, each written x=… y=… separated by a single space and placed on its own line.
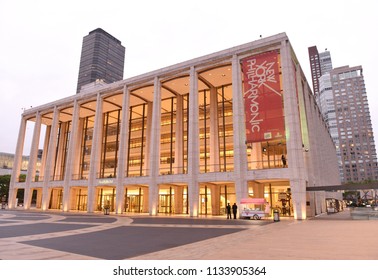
x=327 y=237
x=37 y=235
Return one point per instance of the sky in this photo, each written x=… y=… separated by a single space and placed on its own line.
x=40 y=41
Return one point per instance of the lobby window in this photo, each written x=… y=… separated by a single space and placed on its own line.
x=226 y=132
x=86 y=148
x=61 y=151
x=137 y=141
x=204 y=130
x=110 y=143
x=167 y=136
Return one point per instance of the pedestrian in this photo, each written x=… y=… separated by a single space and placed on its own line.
x=267 y=208
x=228 y=208
x=234 y=210
x=283 y=158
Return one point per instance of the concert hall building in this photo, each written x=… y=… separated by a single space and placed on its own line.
x=185 y=139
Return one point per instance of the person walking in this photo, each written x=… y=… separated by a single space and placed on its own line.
x=228 y=210
x=283 y=158
x=234 y=210
x=267 y=208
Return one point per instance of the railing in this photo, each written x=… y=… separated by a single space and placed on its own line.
x=21 y=179
x=252 y=165
x=173 y=170
x=39 y=179
x=100 y=175
x=221 y=167
x=57 y=178
x=137 y=173
x=77 y=177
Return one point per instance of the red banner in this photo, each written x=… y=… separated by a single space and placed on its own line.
x=263 y=99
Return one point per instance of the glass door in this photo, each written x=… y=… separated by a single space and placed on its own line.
x=165 y=203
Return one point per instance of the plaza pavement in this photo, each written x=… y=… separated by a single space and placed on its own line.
x=326 y=237
x=28 y=235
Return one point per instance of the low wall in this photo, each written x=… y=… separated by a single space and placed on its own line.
x=364 y=213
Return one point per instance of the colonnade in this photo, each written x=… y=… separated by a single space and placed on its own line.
x=296 y=175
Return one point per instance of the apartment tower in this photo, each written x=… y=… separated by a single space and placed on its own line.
x=102 y=59
x=350 y=124
x=320 y=63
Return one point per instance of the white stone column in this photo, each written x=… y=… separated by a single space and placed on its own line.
x=95 y=155
x=30 y=176
x=145 y=199
x=17 y=164
x=193 y=145
x=59 y=157
x=214 y=131
x=178 y=205
x=240 y=147
x=258 y=190
x=122 y=152
x=154 y=151
x=44 y=153
x=293 y=128
x=71 y=156
x=76 y=161
x=50 y=158
x=256 y=156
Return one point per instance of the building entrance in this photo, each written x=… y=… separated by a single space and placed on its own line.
x=133 y=203
x=134 y=200
x=166 y=202
x=81 y=199
x=106 y=199
x=205 y=201
x=56 y=198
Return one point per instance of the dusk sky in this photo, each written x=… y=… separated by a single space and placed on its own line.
x=41 y=41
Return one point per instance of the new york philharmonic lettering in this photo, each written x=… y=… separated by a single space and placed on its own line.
x=260 y=82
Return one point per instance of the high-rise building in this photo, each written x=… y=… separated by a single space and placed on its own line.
x=320 y=64
x=102 y=58
x=325 y=62
x=344 y=105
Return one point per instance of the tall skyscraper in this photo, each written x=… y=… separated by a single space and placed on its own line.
x=102 y=58
x=320 y=64
x=344 y=105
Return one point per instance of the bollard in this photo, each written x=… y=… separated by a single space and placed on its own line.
x=276 y=215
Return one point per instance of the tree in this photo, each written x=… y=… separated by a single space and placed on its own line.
x=4 y=185
x=352 y=196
